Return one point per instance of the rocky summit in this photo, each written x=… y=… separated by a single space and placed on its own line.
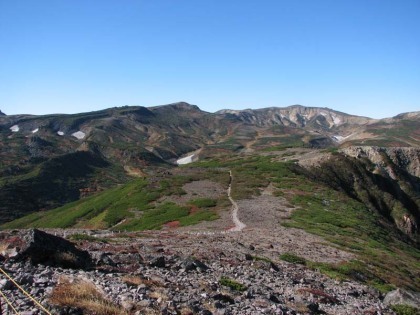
x=173 y=210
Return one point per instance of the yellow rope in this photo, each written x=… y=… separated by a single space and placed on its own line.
x=8 y=302
x=26 y=293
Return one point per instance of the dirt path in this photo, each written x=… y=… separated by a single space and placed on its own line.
x=239 y=226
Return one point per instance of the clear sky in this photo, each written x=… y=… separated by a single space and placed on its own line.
x=361 y=57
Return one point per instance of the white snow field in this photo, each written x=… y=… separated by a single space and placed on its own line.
x=185 y=160
x=79 y=135
x=14 y=128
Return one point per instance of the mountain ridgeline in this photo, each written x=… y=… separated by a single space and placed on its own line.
x=51 y=160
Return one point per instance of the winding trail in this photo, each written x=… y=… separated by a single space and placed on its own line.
x=239 y=226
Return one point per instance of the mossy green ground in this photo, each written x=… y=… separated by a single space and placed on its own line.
x=401 y=309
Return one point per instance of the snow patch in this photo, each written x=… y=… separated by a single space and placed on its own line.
x=335 y=119
x=186 y=160
x=324 y=114
x=60 y=133
x=230 y=111
x=79 y=135
x=340 y=138
x=14 y=128
x=35 y=130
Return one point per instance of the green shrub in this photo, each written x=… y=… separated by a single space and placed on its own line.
x=292 y=258
x=201 y=215
x=402 y=309
x=203 y=202
x=232 y=284
x=86 y=237
x=260 y=258
x=154 y=218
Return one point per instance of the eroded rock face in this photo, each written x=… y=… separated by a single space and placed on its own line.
x=42 y=248
x=407 y=158
x=401 y=165
x=296 y=115
x=409 y=225
x=384 y=179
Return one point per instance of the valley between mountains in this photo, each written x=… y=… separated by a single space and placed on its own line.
x=172 y=210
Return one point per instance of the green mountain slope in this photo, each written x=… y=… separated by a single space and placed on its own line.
x=136 y=205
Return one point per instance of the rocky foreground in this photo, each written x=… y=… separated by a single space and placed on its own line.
x=172 y=273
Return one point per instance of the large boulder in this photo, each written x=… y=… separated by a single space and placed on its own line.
x=39 y=247
x=191 y=264
x=403 y=297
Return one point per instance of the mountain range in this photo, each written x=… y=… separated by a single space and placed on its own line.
x=49 y=160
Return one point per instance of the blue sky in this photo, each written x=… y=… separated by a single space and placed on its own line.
x=358 y=56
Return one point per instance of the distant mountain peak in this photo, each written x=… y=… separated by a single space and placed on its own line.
x=179 y=106
x=410 y=115
x=2 y=114
x=185 y=106
x=296 y=115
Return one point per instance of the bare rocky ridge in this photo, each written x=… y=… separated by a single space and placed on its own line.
x=179 y=273
x=297 y=115
x=410 y=115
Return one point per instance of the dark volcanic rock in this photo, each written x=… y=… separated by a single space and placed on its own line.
x=158 y=262
x=2 y=114
x=224 y=298
x=274 y=298
x=194 y=264
x=313 y=308
x=274 y=266
x=248 y=257
x=101 y=259
x=42 y=248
